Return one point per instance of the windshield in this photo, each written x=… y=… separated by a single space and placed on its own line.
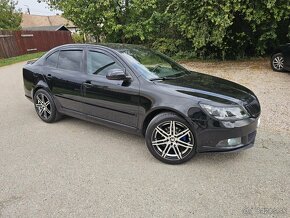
x=151 y=64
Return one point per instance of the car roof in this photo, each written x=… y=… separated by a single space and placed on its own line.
x=121 y=46
x=114 y=46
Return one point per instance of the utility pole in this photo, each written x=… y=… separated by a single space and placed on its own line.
x=28 y=10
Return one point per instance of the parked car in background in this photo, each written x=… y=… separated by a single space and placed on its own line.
x=280 y=60
x=135 y=89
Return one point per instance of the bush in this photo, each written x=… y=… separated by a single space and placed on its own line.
x=78 y=38
x=224 y=29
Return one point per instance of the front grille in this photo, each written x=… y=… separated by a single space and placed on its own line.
x=253 y=108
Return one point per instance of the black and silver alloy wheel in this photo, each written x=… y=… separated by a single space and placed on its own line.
x=171 y=140
x=278 y=62
x=43 y=106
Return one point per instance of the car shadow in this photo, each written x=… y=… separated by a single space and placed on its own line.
x=214 y=157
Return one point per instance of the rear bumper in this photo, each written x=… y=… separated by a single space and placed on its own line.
x=208 y=139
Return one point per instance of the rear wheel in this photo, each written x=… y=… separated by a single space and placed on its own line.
x=45 y=107
x=277 y=62
x=170 y=139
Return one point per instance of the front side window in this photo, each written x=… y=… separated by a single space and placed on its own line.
x=70 y=60
x=99 y=63
x=52 y=59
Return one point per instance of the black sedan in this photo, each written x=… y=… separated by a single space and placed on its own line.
x=280 y=60
x=140 y=91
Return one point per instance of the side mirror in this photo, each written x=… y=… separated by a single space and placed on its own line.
x=117 y=74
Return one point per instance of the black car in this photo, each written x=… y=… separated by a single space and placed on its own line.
x=280 y=60
x=135 y=89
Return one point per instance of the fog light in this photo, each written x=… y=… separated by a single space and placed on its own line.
x=230 y=142
x=234 y=141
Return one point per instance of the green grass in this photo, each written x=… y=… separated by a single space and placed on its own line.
x=21 y=58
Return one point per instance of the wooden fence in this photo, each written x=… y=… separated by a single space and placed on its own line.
x=14 y=43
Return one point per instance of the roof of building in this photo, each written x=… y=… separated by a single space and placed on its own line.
x=46 y=28
x=29 y=20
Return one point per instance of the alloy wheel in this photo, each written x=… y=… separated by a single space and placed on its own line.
x=43 y=106
x=172 y=140
x=278 y=63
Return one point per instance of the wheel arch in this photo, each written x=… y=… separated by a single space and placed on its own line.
x=157 y=111
x=277 y=51
x=40 y=85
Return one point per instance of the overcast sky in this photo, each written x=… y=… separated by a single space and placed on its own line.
x=35 y=7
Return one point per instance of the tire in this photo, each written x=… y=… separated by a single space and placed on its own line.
x=168 y=144
x=45 y=107
x=277 y=62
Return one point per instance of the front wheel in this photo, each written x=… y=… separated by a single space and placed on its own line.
x=170 y=139
x=277 y=62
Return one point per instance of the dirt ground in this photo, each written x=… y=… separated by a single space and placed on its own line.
x=74 y=168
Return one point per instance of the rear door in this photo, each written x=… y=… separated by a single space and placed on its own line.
x=66 y=77
x=111 y=100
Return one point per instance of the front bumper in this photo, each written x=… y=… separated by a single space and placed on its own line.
x=208 y=138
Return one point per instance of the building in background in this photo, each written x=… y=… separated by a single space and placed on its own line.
x=49 y=23
x=46 y=28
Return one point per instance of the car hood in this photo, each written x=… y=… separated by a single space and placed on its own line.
x=211 y=88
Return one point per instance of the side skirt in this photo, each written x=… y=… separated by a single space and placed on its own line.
x=97 y=120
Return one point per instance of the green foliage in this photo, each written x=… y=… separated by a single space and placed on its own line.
x=78 y=38
x=208 y=29
x=232 y=28
x=10 y=18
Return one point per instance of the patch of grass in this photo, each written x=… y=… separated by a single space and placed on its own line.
x=26 y=57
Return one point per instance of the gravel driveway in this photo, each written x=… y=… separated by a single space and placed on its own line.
x=78 y=169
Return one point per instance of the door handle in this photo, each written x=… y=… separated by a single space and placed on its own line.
x=87 y=84
x=49 y=76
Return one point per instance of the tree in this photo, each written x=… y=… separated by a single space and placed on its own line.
x=228 y=28
x=118 y=20
x=10 y=18
x=209 y=29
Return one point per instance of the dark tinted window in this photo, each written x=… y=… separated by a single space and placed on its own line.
x=70 y=60
x=99 y=63
x=52 y=59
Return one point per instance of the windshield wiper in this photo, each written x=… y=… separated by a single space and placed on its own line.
x=162 y=78
x=175 y=76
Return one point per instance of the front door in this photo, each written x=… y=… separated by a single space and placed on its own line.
x=111 y=100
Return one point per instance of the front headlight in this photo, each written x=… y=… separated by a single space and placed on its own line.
x=226 y=112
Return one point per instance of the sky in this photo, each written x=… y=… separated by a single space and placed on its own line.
x=35 y=7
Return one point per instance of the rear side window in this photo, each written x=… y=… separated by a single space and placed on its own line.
x=52 y=59
x=70 y=60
